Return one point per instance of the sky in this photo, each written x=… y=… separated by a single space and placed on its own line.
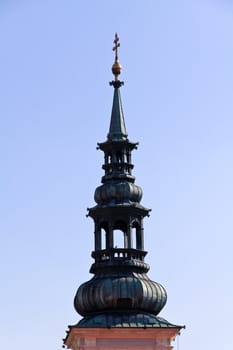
x=55 y=105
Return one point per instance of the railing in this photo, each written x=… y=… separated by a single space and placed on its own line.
x=118 y=254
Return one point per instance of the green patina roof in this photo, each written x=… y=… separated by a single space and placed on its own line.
x=125 y=320
x=117 y=130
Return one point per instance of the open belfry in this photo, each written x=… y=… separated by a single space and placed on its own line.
x=119 y=305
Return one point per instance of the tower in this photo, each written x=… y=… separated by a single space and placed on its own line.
x=119 y=304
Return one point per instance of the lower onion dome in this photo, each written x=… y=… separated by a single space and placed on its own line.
x=118 y=291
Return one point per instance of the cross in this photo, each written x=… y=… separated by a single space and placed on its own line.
x=115 y=48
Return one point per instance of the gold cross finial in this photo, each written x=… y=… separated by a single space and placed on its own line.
x=116 y=68
x=115 y=48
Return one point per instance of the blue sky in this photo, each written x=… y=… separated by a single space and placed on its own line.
x=55 y=65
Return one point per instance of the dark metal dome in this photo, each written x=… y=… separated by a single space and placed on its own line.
x=120 y=192
x=120 y=291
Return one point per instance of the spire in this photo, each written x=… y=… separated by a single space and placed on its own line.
x=120 y=288
x=117 y=130
x=120 y=294
x=120 y=301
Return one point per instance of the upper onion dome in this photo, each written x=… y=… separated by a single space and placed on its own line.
x=118 y=193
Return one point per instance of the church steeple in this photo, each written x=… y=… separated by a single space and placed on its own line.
x=120 y=284
x=120 y=294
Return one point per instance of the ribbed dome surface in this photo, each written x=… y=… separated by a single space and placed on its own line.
x=120 y=192
x=120 y=291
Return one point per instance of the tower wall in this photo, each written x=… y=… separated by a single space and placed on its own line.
x=121 y=339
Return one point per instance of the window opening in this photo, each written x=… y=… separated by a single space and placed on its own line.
x=118 y=239
x=103 y=239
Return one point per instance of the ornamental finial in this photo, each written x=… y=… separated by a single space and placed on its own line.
x=115 y=48
x=116 y=68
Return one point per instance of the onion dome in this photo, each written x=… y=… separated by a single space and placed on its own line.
x=118 y=193
x=126 y=291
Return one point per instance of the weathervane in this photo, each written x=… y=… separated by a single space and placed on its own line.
x=116 y=68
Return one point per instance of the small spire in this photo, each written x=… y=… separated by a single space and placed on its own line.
x=117 y=130
x=116 y=67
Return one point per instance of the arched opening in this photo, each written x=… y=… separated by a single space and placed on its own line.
x=103 y=235
x=119 y=157
x=123 y=156
x=133 y=237
x=109 y=158
x=128 y=156
x=103 y=238
x=136 y=235
x=120 y=239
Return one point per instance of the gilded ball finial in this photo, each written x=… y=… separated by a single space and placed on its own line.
x=116 y=67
